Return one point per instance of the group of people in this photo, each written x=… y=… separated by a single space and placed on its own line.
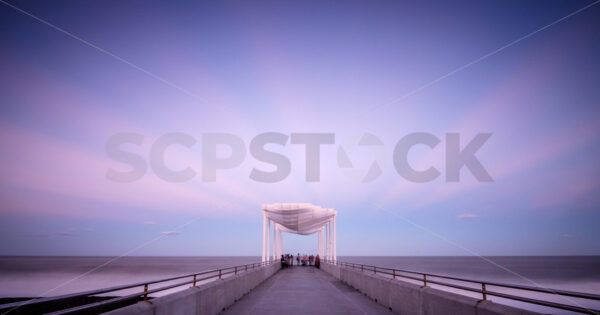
x=287 y=260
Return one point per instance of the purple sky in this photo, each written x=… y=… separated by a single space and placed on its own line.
x=337 y=67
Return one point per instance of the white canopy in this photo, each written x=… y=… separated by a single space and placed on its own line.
x=298 y=218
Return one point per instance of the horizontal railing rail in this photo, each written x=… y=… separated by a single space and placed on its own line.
x=482 y=286
x=144 y=285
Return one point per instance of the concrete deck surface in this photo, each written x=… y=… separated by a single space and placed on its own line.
x=305 y=290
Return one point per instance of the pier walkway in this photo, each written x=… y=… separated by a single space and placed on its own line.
x=305 y=290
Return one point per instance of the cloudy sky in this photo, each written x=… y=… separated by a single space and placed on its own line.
x=73 y=74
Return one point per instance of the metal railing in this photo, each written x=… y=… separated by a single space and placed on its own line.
x=71 y=303
x=482 y=287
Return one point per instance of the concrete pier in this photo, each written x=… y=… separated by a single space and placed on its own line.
x=305 y=290
x=209 y=298
x=308 y=290
x=407 y=298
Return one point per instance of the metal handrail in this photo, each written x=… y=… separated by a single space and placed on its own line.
x=426 y=278
x=215 y=273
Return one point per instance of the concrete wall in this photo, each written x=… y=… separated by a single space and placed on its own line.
x=408 y=298
x=209 y=298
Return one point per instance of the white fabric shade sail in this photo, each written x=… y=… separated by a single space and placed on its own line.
x=298 y=218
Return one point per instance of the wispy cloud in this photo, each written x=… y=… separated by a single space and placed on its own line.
x=467 y=216
x=72 y=231
x=170 y=233
x=63 y=233
x=568 y=235
x=149 y=223
x=36 y=235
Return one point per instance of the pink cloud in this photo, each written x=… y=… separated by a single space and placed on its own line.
x=42 y=164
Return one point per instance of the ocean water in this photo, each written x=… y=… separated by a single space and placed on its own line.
x=570 y=273
x=49 y=276
x=574 y=273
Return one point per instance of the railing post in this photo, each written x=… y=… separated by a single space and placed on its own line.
x=219 y=274
x=483 y=291
x=145 y=292
x=424 y=280
x=374 y=270
x=246 y=268
x=362 y=268
x=393 y=273
x=235 y=272
x=194 y=281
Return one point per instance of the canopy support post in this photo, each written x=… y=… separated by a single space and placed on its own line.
x=264 y=234
x=321 y=243
x=334 y=241
x=268 y=239
x=280 y=243
x=275 y=241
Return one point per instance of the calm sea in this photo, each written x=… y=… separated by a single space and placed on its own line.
x=48 y=276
